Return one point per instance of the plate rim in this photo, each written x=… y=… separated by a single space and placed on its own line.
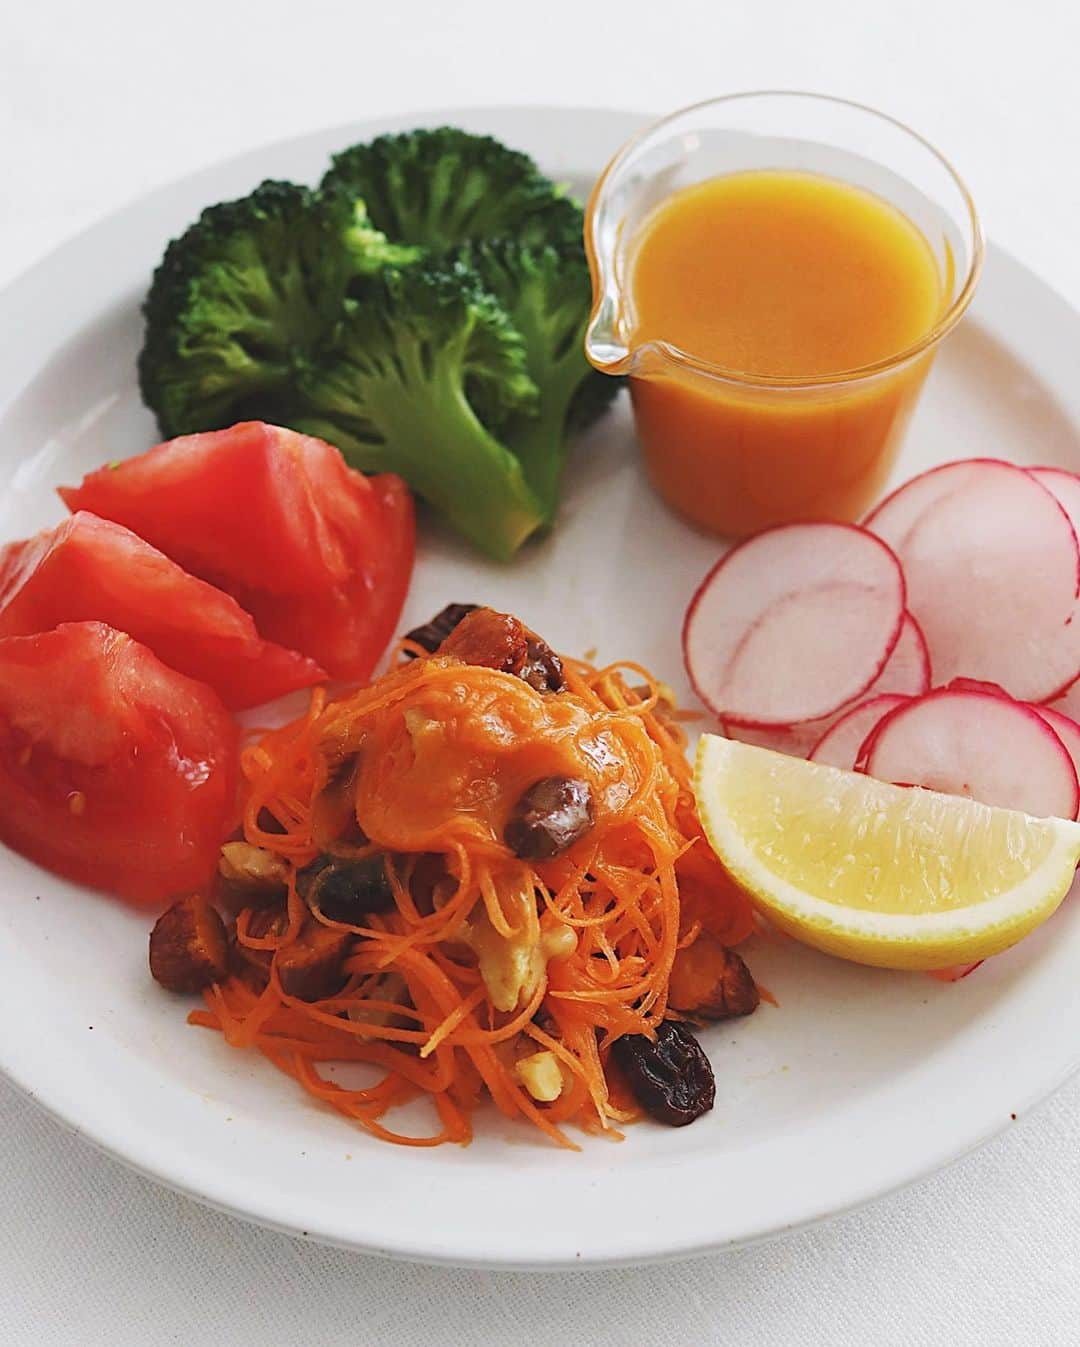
x=98 y=1124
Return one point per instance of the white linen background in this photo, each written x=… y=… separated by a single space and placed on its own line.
x=99 y=103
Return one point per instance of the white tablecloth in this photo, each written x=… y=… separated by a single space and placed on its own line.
x=99 y=102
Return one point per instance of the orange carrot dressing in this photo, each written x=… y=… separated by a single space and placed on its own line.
x=776 y=274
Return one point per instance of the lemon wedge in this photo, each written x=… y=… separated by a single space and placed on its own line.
x=884 y=875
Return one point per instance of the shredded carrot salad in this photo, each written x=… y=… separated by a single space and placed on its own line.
x=495 y=959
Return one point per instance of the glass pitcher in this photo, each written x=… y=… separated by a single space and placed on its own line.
x=737 y=452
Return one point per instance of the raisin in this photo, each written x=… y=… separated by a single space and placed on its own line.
x=542 y=669
x=432 y=634
x=343 y=890
x=550 y=817
x=670 y=1078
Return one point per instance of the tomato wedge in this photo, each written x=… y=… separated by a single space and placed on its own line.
x=90 y=569
x=346 y=627
x=318 y=553
x=115 y=770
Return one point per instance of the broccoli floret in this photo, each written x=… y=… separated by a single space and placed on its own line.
x=546 y=292
x=390 y=313
x=244 y=293
x=442 y=187
x=420 y=375
x=368 y=248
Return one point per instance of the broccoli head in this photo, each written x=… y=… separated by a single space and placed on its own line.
x=442 y=187
x=546 y=291
x=243 y=294
x=419 y=377
x=424 y=310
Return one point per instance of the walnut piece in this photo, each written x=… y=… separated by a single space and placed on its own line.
x=251 y=867
x=541 y=1075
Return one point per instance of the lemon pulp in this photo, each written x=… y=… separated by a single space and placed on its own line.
x=880 y=874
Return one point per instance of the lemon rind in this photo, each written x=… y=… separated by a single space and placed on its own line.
x=1039 y=893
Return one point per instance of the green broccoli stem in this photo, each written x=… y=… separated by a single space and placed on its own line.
x=481 y=490
x=540 y=446
x=540 y=443
x=458 y=467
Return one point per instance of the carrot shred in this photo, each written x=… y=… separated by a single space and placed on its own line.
x=442 y=752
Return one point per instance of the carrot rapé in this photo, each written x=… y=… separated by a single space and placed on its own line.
x=435 y=754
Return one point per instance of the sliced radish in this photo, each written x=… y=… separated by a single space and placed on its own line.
x=1066 y=729
x=896 y=516
x=794 y=623
x=1063 y=725
x=956 y=973
x=908 y=667
x=992 y=572
x=1068 y=703
x=907 y=671
x=977 y=685
x=839 y=746
x=1064 y=486
x=794 y=740
x=977 y=744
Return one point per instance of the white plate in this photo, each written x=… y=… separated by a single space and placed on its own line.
x=862 y=1081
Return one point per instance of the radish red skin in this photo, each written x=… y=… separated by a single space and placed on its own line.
x=962 y=684
x=892 y=518
x=992 y=570
x=977 y=744
x=1064 y=486
x=837 y=748
x=1064 y=726
x=1068 y=703
x=1066 y=729
x=956 y=973
x=907 y=673
x=721 y=626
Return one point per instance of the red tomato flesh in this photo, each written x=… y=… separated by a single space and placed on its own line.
x=90 y=569
x=318 y=553
x=346 y=627
x=115 y=770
